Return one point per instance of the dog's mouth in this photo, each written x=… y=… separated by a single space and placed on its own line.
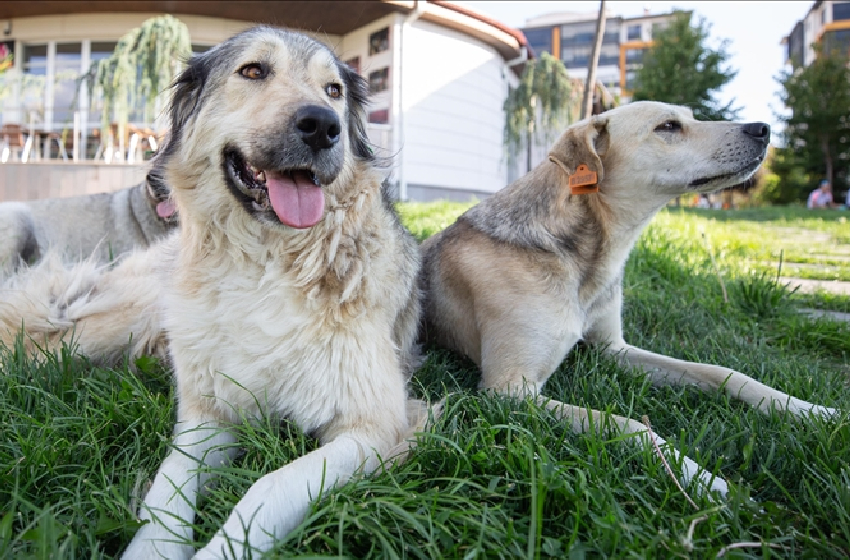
x=294 y=195
x=724 y=180
x=160 y=197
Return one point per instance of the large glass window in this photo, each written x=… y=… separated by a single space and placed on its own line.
x=67 y=68
x=840 y=11
x=540 y=39
x=837 y=42
x=634 y=56
x=634 y=33
x=34 y=82
x=576 y=57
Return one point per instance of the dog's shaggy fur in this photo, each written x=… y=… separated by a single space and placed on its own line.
x=314 y=321
x=104 y=225
x=521 y=277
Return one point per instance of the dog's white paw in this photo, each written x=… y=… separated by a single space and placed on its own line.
x=800 y=407
x=220 y=548
x=152 y=542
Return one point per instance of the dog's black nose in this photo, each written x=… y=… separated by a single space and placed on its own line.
x=318 y=126
x=758 y=130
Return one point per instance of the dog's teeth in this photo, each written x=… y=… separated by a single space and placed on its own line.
x=260 y=177
x=314 y=179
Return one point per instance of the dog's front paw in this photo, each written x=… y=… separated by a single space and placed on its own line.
x=152 y=542
x=221 y=548
x=803 y=408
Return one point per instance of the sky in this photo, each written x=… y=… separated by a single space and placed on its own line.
x=754 y=31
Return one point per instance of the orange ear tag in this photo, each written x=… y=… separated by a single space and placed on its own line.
x=583 y=181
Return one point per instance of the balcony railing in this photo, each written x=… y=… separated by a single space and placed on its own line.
x=25 y=137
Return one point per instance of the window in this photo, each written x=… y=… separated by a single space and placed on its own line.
x=576 y=57
x=540 y=39
x=381 y=116
x=630 y=81
x=634 y=56
x=67 y=68
x=379 y=80
x=836 y=42
x=609 y=55
x=379 y=41
x=634 y=32
x=34 y=80
x=354 y=63
x=840 y=11
x=578 y=34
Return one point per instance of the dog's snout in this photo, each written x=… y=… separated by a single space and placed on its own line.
x=318 y=127
x=758 y=130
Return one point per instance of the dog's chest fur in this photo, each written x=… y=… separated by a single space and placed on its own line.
x=256 y=337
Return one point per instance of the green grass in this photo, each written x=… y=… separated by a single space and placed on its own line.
x=496 y=478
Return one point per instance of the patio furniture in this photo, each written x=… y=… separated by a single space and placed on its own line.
x=13 y=142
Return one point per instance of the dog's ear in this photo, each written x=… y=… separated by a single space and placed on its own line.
x=187 y=90
x=583 y=143
x=356 y=97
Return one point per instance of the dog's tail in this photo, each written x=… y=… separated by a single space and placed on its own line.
x=98 y=311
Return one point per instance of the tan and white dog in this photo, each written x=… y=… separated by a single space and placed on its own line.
x=524 y=275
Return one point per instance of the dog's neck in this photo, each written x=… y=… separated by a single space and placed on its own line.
x=320 y=260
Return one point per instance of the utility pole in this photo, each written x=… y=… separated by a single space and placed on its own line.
x=590 y=85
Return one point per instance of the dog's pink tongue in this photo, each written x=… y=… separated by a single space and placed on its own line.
x=165 y=209
x=296 y=200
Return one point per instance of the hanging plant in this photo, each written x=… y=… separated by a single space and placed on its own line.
x=143 y=65
x=539 y=107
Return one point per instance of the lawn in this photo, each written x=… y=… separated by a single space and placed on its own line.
x=496 y=478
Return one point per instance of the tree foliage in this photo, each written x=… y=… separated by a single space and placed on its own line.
x=143 y=65
x=817 y=127
x=681 y=68
x=541 y=105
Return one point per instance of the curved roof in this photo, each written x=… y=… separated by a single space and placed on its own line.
x=310 y=15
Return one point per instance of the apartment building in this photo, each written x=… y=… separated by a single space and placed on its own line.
x=827 y=23
x=569 y=36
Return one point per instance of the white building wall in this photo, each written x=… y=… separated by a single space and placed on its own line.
x=453 y=91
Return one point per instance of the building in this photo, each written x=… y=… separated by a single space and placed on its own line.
x=569 y=36
x=438 y=74
x=827 y=23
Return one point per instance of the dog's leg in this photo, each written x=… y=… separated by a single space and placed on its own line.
x=585 y=420
x=663 y=370
x=278 y=501
x=169 y=506
x=519 y=366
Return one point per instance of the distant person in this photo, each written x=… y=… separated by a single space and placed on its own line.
x=821 y=197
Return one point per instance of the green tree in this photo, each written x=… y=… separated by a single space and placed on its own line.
x=143 y=65
x=817 y=127
x=541 y=105
x=681 y=68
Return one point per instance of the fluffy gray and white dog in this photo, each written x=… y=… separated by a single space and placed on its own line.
x=103 y=225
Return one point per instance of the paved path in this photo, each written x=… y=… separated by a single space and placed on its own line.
x=809 y=286
x=816 y=313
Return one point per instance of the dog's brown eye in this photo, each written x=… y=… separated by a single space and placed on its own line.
x=253 y=72
x=334 y=91
x=669 y=126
